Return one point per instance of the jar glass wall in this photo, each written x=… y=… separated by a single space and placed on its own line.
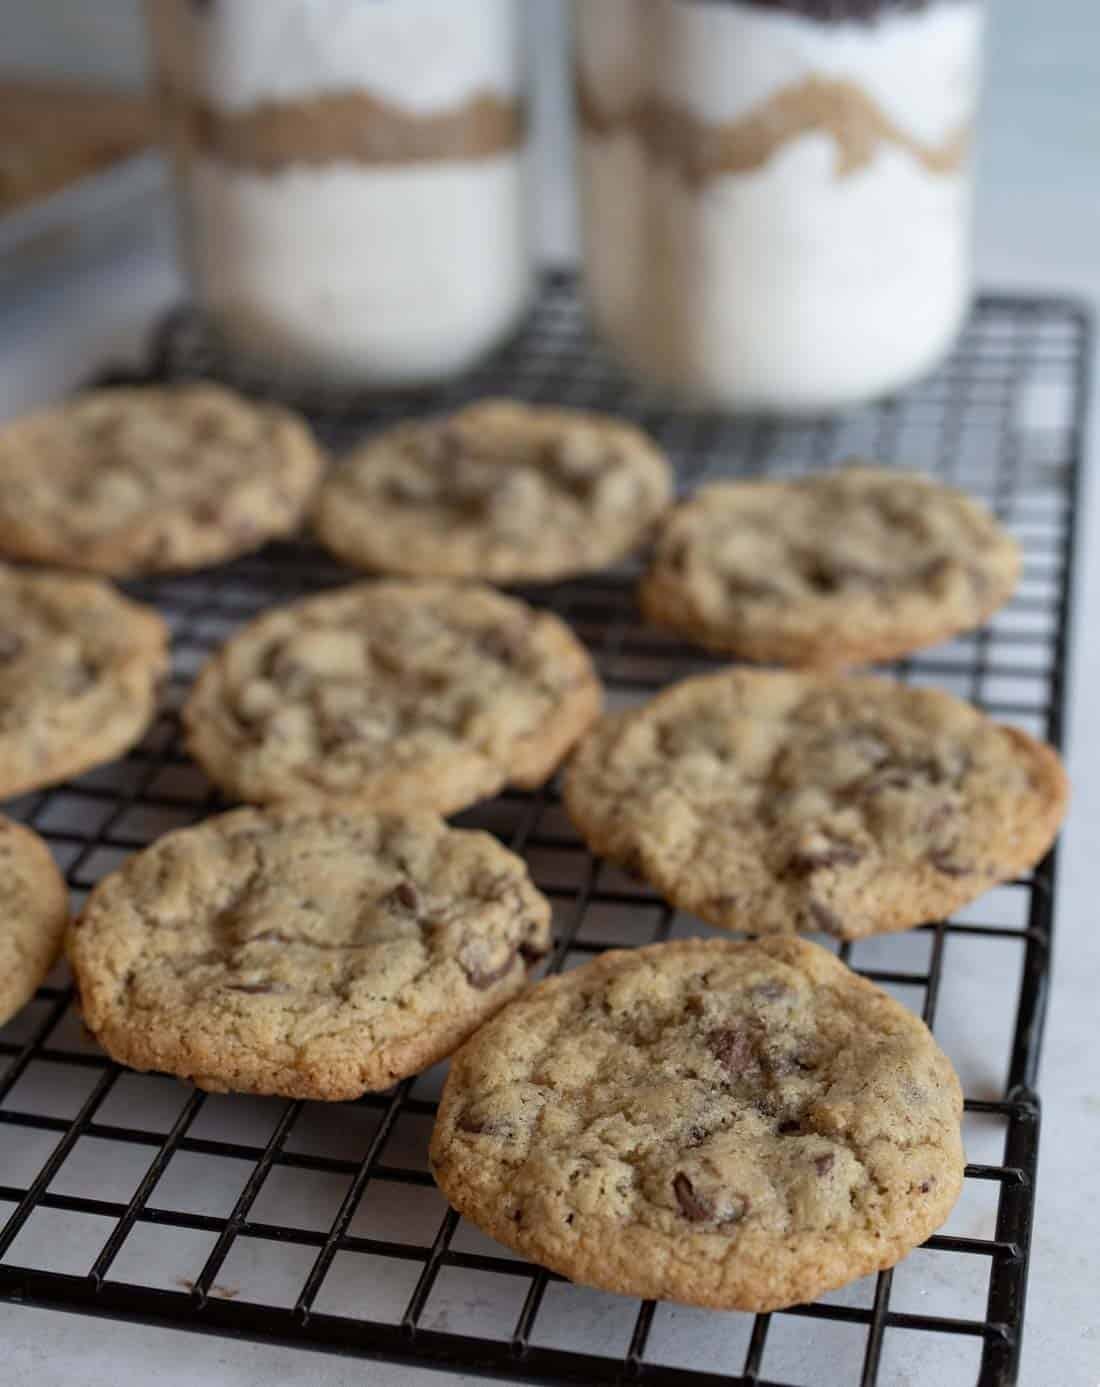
x=776 y=193
x=352 y=178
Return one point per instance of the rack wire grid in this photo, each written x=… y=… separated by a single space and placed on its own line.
x=132 y=1196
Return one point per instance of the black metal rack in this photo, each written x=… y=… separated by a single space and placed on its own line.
x=328 y=1232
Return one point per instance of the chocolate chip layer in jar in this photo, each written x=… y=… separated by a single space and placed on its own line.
x=352 y=178
x=777 y=192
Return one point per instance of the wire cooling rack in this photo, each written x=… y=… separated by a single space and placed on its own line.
x=130 y=1196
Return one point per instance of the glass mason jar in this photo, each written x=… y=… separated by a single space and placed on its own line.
x=352 y=178
x=777 y=193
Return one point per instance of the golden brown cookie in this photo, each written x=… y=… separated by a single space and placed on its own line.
x=151 y=479
x=308 y=953
x=395 y=695
x=774 y=802
x=34 y=910
x=79 y=670
x=502 y=491
x=734 y=1125
x=844 y=567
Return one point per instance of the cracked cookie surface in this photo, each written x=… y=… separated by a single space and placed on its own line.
x=850 y=566
x=735 y=1125
x=79 y=670
x=34 y=910
x=396 y=695
x=312 y=954
x=772 y=802
x=153 y=479
x=501 y=491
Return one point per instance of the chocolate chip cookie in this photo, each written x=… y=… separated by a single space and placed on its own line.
x=773 y=802
x=79 y=670
x=308 y=953
x=34 y=910
x=850 y=566
x=130 y=481
x=502 y=491
x=735 y=1125
x=395 y=695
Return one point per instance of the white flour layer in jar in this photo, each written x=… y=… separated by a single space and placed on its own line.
x=392 y=275
x=422 y=55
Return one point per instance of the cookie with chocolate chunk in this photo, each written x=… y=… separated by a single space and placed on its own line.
x=392 y=695
x=735 y=1125
x=34 y=910
x=774 y=801
x=845 y=567
x=307 y=953
x=79 y=670
x=152 y=479
x=501 y=490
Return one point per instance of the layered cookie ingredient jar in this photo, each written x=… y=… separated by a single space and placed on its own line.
x=352 y=178
x=776 y=193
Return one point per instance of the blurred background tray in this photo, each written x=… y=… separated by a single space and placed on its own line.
x=83 y=216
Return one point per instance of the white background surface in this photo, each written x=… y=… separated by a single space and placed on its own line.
x=1039 y=227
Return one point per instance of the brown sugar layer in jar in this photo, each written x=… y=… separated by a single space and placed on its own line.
x=353 y=127
x=816 y=105
x=56 y=132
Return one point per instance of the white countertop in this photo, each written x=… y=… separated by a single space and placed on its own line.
x=1039 y=228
